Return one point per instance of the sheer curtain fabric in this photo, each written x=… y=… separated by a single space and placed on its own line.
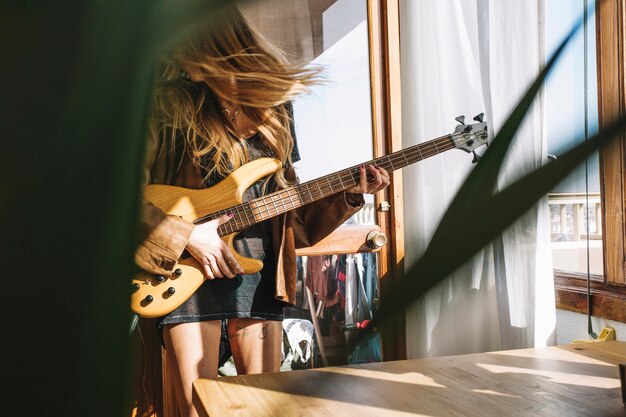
x=467 y=57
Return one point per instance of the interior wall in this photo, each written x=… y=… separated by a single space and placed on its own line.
x=571 y=326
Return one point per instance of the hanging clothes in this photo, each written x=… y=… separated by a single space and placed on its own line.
x=320 y=279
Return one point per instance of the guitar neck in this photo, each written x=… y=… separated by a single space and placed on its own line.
x=273 y=204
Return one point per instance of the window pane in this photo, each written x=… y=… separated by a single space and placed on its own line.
x=572 y=109
x=334 y=123
x=335 y=293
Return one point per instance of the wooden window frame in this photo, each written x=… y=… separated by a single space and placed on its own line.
x=607 y=294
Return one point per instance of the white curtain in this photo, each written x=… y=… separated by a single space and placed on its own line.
x=467 y=57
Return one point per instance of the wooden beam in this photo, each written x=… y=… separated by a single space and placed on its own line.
x=607 y=301
x=611 y=41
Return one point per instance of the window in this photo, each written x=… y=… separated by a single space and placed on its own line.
x=344 y=123
x=571 y=108
x=594 y=216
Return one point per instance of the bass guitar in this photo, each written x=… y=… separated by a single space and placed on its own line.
x=155 y=296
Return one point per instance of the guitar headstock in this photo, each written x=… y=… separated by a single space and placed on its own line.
x=470 y=137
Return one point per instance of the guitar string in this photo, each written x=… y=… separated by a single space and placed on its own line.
x=262 y=207
x=289 y=200
x=258 y=205
x=350 y=175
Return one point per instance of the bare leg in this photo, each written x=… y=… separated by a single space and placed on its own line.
x=255 y=345
x=192 y=351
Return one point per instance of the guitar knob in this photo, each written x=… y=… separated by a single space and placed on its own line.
x=149 y=298
x=480 y=117
x=178 y=272
x=160 y=278
x=135 y=286
x=171 y=290
x=460 y=119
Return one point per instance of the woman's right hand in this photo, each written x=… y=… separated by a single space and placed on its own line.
x=210 y=250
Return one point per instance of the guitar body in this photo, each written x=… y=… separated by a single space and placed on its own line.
x=156 y=296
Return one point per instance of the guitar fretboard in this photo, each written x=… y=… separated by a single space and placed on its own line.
x=273 y=204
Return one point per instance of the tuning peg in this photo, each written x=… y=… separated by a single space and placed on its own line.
x=460 y=119
x=476 y=158
x=480 y=117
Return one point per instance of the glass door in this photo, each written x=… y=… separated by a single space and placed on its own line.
x=338 y=278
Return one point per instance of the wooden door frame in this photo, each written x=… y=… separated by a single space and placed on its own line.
x=386 y=108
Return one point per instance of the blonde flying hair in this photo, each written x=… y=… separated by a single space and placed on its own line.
x=234 y=63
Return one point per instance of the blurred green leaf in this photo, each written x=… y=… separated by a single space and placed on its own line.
x=481 y=182
x=77 y=83
x=485 y=220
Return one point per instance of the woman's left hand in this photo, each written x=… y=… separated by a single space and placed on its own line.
x=379 y=180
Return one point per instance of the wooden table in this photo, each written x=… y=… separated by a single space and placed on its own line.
x=572 y=380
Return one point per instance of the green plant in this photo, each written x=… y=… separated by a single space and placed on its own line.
x=76 y=87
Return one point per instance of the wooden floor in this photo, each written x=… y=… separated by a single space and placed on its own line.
x=571 y=380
